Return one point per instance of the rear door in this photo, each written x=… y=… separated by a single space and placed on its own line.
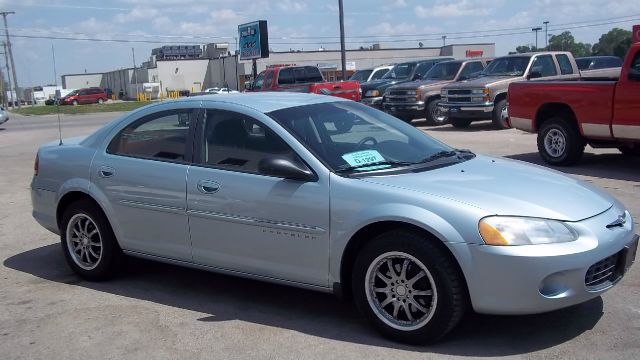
x=626 y=111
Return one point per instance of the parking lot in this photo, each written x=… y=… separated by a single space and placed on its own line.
x=160 y=311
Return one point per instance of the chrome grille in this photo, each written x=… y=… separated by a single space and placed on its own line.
x=459 y=92
x=397 y=92
x=602 y=273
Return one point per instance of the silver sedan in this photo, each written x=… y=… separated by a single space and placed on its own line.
x=331 y=195
x=4 y=115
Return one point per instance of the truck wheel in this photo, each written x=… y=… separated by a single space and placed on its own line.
x=435 y=116
x=88 y=242
x=408 y=288
x=100 y=101
x=460 y=123
x=630 y=150
x=406 y=118
x=560 y=142
x=499 y=117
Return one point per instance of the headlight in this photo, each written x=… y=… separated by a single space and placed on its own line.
x=508 y=230
x=484 y=91
x=372 y=93
x=411 y=92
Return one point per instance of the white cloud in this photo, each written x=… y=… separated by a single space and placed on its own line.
x=456 y=9
x=386 y=28
x=292 y=6
x=137 y=14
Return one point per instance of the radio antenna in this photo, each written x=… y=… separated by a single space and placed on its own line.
x=57 y=93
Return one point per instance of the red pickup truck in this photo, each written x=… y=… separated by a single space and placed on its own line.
x=307 y=79
x=568 y=115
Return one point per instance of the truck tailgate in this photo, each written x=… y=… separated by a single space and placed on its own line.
x=344 y=89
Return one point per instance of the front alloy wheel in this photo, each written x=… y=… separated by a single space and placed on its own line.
x=401 y=291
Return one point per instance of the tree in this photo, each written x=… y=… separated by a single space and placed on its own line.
x=566 y=42
x=525 y=49
x=616 y=42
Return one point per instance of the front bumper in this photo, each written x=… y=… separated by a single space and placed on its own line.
x=375 y=102
x=416 y=108
x=482 y=111
x=540 y=278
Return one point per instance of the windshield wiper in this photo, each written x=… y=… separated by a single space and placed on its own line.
x=461 y=154
x=346 y=168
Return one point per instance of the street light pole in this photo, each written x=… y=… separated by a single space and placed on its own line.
x=444 y=40
x=343 y=52
x=536 y=29
x=13 y=64
x=546 y=35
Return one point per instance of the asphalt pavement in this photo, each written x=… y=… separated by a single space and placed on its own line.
x=159 y=311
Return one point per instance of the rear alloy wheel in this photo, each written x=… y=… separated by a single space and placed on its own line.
x=435 y=115
x=630 y=150
x=88 y=242
x=460 y=123
x=500 y=118
x=408 y=288
x=100 y=101
x=560 y=142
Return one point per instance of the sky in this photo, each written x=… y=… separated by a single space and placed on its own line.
x=293 y=24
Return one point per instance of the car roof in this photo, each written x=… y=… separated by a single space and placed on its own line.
x=266 y=102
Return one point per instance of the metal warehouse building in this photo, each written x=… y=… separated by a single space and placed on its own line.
x=215 y=68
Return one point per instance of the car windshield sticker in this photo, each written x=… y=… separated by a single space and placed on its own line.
x=360 y=158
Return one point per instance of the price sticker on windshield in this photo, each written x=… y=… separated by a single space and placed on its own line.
x=362 y=158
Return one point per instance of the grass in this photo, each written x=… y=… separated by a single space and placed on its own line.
x=80 y=109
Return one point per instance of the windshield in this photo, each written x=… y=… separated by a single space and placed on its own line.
x=444 y=71
x=400 y=71
x=507 y=66
x=73 y=93
x=583 y=63
x=350 y=137
x=361 y=75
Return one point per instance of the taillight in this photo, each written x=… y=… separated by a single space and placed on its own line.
x=36 y=165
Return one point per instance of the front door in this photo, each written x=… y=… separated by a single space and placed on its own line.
x=626 y=112
x=143 y=175
x=246 y=222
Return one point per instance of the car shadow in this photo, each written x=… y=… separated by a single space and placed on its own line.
x=475 y=126
x=608 y=166
x=226 y=298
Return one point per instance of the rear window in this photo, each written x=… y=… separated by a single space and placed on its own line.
x=313 y=74
x=285 y=77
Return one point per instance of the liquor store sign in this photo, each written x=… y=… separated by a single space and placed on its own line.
x=253 y=40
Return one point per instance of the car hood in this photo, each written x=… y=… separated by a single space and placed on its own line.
x=380 y=84
x=507 y=187
x=484 y=81
x=420 y=84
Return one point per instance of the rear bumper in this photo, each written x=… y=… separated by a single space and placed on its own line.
x=533 y=279
x=44 y=208
x=468 y=111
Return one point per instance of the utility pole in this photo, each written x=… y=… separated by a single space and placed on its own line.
x=343 y=52
x=4 y=93
x=13 y=64
x=546 y=35
x=536 y=29
x=135 y=76
x=6 y=63
x=444 y=40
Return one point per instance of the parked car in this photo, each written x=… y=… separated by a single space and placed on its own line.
x=420 y=98
x=485 y=98
x=370 y=74
x=85 y=96
x=569 y=115
x=4 y=115
x=373 y=91
x=307 y=79
x=331 y=195
x=217 y=90
x=599 y=66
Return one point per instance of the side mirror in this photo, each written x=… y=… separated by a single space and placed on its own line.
x=633 y=75
x=534 y=75
x=285 y=168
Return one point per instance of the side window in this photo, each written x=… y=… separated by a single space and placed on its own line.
x=285 y=77
x=259 y=80
x=83 y=92
x=313 y=74
x=269 y=79
x=160 y=136
x=378 y=74
x=299 y=75
x=470 y=69
x=635 y=66
x=237 y=142
x=423 y=68
x=565 y=64
x=544 y=65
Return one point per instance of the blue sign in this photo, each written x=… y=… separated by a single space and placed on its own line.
x=253 y=40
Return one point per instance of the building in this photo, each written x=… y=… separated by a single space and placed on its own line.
x=216 y=67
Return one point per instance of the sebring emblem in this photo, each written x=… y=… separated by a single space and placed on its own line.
x=622 y=219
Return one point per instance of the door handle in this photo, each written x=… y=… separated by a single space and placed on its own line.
x=208 y=186
x=106 y=171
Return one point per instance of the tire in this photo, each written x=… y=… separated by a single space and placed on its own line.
x=433 y=114
x=75 y=102
x=499 y=119
x=630 y=150
x=560 y=142
x=440 y=273
x=406 y=118
x=93 y=262
x=460 y=123
x=101 y=101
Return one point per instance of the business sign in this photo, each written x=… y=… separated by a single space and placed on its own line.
x=474 y=53
x=253 y=40
x=636 y=34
